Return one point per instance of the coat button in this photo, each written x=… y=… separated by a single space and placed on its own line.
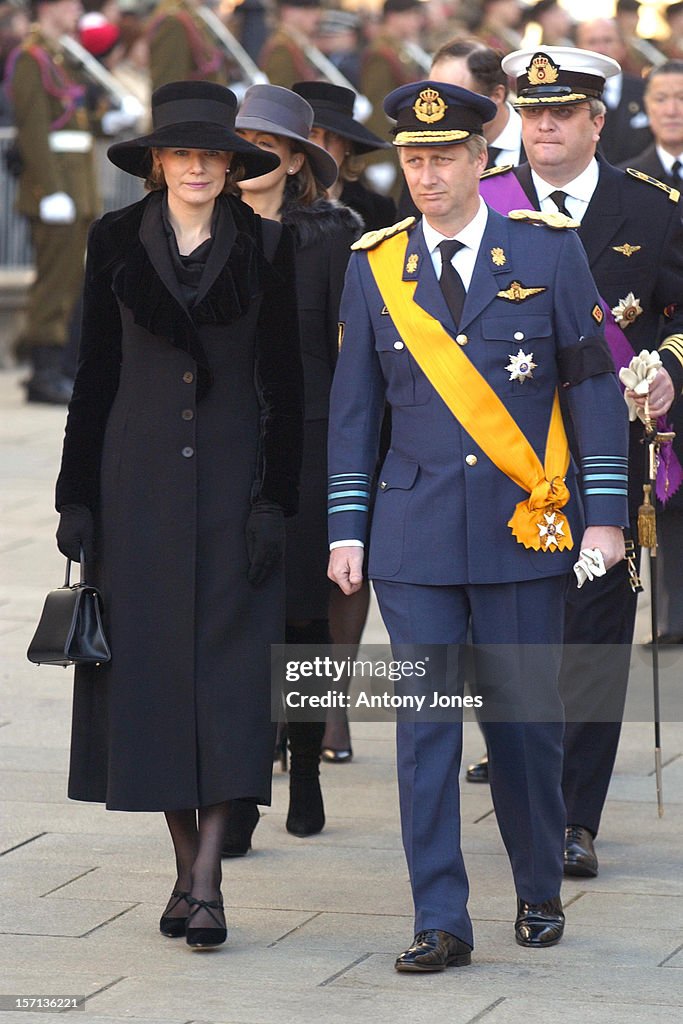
x=518 y=335
x=398 y=345
x=187 y=414
x=187 y=452
x=471 y=460
x=188 y=376
x=461 y=339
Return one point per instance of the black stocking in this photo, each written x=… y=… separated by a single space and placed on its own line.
x=206 y=870
x=183 y=828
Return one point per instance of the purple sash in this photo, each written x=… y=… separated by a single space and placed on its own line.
x=504 y=193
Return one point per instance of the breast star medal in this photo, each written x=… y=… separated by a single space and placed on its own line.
x=521 y=366
x=627 y=310
x=549 y=528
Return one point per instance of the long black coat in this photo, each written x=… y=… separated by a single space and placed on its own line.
x=180 y=420
x=323 y=234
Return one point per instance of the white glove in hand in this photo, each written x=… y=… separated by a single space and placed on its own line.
x=126 y=116
x=638 y=376
x=58 y=208
x=590 y=565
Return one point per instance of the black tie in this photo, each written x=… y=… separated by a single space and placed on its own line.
x=676 y=172
x=450 y=280
x=558 y=198
x=494 y=153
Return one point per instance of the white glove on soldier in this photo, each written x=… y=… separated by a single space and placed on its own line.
x=57 y=208
x=125 y=116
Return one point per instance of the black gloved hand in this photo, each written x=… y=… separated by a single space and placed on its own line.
x=265 y=534
x=76 y=530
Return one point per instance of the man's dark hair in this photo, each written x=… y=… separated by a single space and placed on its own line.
x=482 y=62
x=671 y=67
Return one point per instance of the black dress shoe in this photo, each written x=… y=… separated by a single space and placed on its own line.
x=206 y=938
x=479 y=771
x=539 y=924
x=243 y=816
x=174 y=927
x=434 y=950
x=580 y=858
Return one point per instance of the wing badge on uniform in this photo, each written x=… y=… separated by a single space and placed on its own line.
x=521 y=366
x=627 y=310
x=626 y=249
x=518 y=293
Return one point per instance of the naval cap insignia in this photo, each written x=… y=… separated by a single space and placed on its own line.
x=542 y=70
x=429 y=107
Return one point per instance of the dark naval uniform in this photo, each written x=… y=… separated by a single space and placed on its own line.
x=181 y=47
x=441 y=551
x=633 y=238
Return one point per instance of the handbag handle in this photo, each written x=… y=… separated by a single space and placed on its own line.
x=67 y=576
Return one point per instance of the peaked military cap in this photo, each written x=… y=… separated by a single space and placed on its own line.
x=558 y=74
x=437 y=114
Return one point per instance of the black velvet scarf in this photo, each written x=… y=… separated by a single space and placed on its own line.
x=157 y=309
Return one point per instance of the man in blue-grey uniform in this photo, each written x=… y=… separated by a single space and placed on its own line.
x=468 y=324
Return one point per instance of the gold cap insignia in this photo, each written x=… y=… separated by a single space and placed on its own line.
x=598 y=313
x=627 y=310
x=411 y=263
x=518 y=293
x=498 y=256
x=429 y=107
x=626 y=249
x=542 y=70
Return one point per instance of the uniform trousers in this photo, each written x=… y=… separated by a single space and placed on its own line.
x=60 y=259
x=599 y=623
x=525 y=756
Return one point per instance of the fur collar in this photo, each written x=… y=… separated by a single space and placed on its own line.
x=313 y=224
x=117 y=249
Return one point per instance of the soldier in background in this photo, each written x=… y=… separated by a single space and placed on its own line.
x=386 y=65
x=57 y=186
x=673 y=47
x=500 y=24
x=182 y=47
x=554 y=21
x=284 y=59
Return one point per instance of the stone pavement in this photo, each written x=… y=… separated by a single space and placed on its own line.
x=314 y=924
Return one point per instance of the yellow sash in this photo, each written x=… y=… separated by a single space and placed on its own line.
x=536 y=522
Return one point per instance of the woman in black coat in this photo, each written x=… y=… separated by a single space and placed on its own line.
x=277 y=120
x=175 y=481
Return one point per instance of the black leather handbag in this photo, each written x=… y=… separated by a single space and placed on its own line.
x=70 y=629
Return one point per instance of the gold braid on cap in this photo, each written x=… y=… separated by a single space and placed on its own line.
x=417 y=138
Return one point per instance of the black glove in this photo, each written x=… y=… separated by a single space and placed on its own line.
x=265 y=533
x=76 y=530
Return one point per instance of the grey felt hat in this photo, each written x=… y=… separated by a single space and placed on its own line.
x=278 y=111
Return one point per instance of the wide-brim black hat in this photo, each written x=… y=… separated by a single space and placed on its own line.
x=191 y=115
x=333 y=110
x=279 y=111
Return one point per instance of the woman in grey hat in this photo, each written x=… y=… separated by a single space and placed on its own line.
x=175 y=482
x=278 y=121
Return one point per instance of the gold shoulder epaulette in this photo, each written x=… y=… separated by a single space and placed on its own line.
x=491 y=171
x=558 y=221
x=371 y=239
x=673 y=193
